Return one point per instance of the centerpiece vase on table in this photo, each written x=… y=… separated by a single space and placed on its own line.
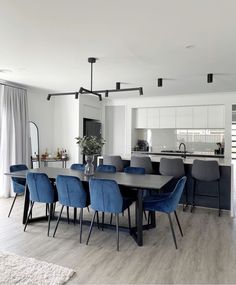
x=90 y=146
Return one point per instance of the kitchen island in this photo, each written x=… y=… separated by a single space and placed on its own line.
x=226 y=180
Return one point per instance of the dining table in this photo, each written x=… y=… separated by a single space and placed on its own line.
x=135 y=182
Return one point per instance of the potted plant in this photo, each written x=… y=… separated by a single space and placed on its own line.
x=90 y=146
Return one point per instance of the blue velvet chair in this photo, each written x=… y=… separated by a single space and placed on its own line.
x=167 y=203
x=41 y=190
x=18 y=183
x=106 y=168
x=77 y=166
x=134 y=170
x=71 y=193
x=105 y=197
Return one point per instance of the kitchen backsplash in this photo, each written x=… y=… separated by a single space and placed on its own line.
x=195 y=140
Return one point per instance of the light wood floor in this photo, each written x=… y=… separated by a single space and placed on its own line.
x=206 y=254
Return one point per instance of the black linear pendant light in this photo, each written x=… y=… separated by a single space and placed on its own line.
x=98 y=93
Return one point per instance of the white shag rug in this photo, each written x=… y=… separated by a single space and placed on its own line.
x=15 y=269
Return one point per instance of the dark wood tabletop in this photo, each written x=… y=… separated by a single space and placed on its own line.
x=147 y=181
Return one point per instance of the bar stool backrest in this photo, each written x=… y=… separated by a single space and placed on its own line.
x=114 y=160
x=205 y=170
x=142 y=161
x=172 y=167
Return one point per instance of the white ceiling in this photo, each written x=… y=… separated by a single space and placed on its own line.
x=46 y=44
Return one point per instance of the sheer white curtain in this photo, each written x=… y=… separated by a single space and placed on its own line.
x=14 y=133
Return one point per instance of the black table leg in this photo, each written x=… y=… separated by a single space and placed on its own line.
x=153 y=219
x=139 y=217
x=26 y=204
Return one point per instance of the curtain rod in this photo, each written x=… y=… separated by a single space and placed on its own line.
x=5 y=84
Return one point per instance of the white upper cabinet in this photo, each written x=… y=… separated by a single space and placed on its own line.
x=184 y=117
x=141 y=118
x=199 y=117
x=187 y=117
x=167 y=118
x=216 y=116
x=153 y=120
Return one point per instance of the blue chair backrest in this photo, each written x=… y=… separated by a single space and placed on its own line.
x=105 y=195
x=172 y=201
x=71 y=191
x=77 y=166
x=40 y=188
x=134 y=170
x=18 y=167
x=106 y=168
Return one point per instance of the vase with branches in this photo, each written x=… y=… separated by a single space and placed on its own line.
x=90 y=146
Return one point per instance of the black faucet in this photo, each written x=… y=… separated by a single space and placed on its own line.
x=184 y=152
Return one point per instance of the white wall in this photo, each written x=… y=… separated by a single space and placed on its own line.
x=226 y=99
x=115 y=130
x=66 y=126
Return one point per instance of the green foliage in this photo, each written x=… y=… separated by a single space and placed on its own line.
x=90 y=145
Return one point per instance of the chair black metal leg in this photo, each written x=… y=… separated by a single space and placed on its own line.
x=218 y=188
x=91 y=227
x=12 y=205
x=111 y=219
x=129 y=220
x=47 y=209
x=88 y=209
x=177 y=219
x=117 y=232
x=145 y=215
x=26 y=223
x=68 y=215
x=81 y=223
x=49 y=217
x=31 y=215
x=98 y=221
x=58 y=220
x=149 y=217
x=102 y=220
x=186 y=198
x=172 y=230
x=54 y=209
x=194 y=194
x=75 y=215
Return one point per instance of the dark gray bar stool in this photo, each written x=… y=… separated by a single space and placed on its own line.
x=142 y=161
x=114 y=160
x=207 y=171
x=174 y=167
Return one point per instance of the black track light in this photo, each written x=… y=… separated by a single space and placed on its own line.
x=117 y=85
x=159 y=82
x=209 y=77
x=106 y=93
x=140 y=91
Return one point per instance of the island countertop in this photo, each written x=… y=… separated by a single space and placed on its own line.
x=187 y=160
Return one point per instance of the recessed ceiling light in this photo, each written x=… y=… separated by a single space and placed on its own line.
x=5 y=71
x=190 y=46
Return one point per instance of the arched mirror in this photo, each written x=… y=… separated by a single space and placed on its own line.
x=34 y=143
